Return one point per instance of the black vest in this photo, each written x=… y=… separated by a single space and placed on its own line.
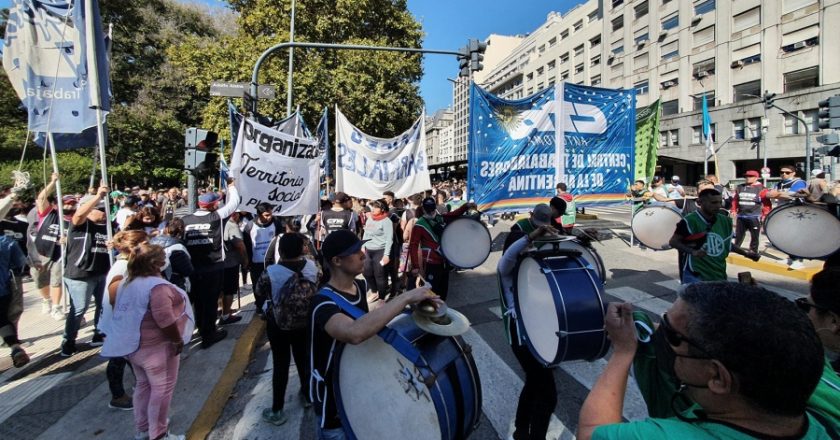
x=87 y=251
x=336 y=220
x=47 y=236
x=749 y=200
x=15 y=228
x=203 y=239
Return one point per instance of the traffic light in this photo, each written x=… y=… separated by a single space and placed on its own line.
x=199 y=156
x=477 y=49
x=829 y=113
x=464 y=61
x=768 y=99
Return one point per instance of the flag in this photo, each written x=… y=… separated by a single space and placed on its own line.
x=322 y=133
x=224 y=171
x=647 y=141
x=48 y=55
x=235 y=120
x=707 y=126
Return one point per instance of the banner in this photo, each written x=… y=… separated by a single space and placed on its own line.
x=275 y=167
x=367 y=166
x=647 y=141
x=322 y=133
x=293 y=125
x=516 y=156
x=46 y=54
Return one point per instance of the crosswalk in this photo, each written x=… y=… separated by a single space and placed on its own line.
x=500 y=379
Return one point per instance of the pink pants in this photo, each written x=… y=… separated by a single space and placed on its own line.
x=156 y=370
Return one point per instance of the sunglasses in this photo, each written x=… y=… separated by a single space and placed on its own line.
x=676 y=338
x=787 y=172
x=806 y=305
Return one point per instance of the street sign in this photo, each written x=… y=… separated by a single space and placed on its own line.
x=238 y=89
x=765 y=173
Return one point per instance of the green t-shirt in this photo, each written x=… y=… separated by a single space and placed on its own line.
x=716 y=239
x=826 y=398
x=524 y=225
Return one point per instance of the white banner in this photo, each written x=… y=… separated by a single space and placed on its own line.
x=367 y=166
x=274 y=167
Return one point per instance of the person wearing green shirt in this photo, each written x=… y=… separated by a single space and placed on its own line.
x=746 y=358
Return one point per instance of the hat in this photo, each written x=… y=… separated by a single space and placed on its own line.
x=541 y=215
x=675 y=178
x=341 y=243
x=340 y=197
x=116 y=193
x=751 y=173
x=207 y=199
x=429 y=204
x=817 y=171
x=89 y=197
x=656 y=179
x=69 y=200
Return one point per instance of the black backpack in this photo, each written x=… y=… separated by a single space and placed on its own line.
x=292 y=310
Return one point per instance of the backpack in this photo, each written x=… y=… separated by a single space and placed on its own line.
x=292 y=310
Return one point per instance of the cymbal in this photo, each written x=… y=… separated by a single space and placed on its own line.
x=451 y=323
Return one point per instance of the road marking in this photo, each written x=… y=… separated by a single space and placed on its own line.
x=640 y=299
x=20 y=393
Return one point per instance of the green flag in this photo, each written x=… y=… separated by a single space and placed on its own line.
x=647 y=141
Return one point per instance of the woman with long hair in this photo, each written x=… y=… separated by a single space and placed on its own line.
x=147 y=219
x=151 y=322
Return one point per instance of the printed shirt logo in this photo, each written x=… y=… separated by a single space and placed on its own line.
x=715 y=244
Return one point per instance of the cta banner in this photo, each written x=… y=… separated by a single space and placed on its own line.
x=517 y=156
x=367 y=166
x=275 y=167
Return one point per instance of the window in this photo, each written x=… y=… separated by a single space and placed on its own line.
x=617 y=3
x=667 y=84
x=753 y=128
x=592 y=16
x=802 y=79
x=641 y=87
x=738 y=130
x=698 y=100
x=579 y=68
x=670 y=107
x=617 y=71
x=551 y=65
x=792 y=5
x=810 y=117
x=564 y=75
x=641 y=9
x=671 y=22
x=618 y=47
x=579 y=51
x=552 y=42
x=800 y=39
x=595 y=41
x=746 y=91
x=551 y=81
x=747 y=55
x=617 y=23
x=704 y=7
x=704 y=36
x=670 y=50
x=791 y=125
x=675 y=138
x=642 y=38
x=564 y=34
x=596 y=80
x=529 y=76
x=564 y=58
x=579 y=25
x=669 y=138
x=596 y=60
x=707 y=66
x=663 y=139
x=542 y=48
x=640 y=61
x=746 y=19
x=540 y=71
x=696 y=134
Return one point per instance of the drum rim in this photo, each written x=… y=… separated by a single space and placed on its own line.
x=794 y=204
x=490 y=249
x=601 y=270
x=636 y=235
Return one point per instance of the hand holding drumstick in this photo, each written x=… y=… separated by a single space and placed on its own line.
x=541 y=231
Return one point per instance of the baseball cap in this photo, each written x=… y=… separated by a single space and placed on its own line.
x=208 y=199
x=69 y=200
x=675 y=178
x=89 y=197
x=429 y=204
x=541 y=215
x=751 y=173
x=116 y=193
x=341 y=243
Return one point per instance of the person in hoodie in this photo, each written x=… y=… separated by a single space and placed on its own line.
x=178 y=263
x=289 y=334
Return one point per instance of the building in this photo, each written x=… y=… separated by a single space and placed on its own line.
x=439 y=135
x=677 y=50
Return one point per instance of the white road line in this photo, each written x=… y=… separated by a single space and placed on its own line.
x=19 y=393
x=640 y=299
x=670 y=284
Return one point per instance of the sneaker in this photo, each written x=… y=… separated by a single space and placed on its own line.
x=68 y=349
x=19 y=357
x=98 y=340
x=46 y=306
x=124 y=403
x=57 y=314
x=796 y=264
x=275 y=418
x=231 y=319
x=207 y=342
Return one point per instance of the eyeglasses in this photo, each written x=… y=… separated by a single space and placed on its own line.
x=806 y=305
x=787 y=172
x=676 y=338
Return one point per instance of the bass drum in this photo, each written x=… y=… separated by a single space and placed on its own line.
x=560 y=308
x=803 y=230
x=465 y=243
x=653 y=226
x=586 y=252
x=415 y=386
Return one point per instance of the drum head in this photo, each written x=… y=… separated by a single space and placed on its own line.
x=588 y=254
x=653 y=226
x=803 y=230
x=465 y=243
x=538 y=310
x=383 y=395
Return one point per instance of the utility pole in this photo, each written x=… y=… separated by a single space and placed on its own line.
x=291 y=64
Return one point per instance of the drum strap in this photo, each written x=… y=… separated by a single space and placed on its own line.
x=391 y=337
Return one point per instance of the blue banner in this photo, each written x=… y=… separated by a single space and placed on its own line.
x=516 y=156
x=47 y=56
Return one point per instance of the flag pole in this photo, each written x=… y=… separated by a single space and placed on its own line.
x=96 y=100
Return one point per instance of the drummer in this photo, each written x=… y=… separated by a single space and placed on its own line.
x=705 y=236
x=343 y=261
x=539 y=395
x=540 y=216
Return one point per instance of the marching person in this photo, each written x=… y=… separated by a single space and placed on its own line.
x=203 y=237
x=257 y=236
x=45 y=233
x=180 y=265
x=570 y=215
x=540 y=216
x=12 y=261
x=379 y=239
x=745 y=357
x=705 y=236
x=236 y=257
x=750 y=205
x=343 y=261
x=340 y=216
x=424 y=248
x=538 y=397
x=286 y=319
x=85 y=267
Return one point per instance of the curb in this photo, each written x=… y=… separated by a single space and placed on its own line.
x=219 y=395
x=804 y=274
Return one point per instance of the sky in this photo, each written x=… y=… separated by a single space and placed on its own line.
x=448 y=24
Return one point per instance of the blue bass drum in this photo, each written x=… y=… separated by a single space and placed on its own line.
x=560 y=309
x=412 y=386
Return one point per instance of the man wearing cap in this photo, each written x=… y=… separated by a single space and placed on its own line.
x=44 y=232
x=203 y=239
x=341 y=216
x=750 y=205
x=171 y=202
x=85 y=266
x=330 y=324
x=540 y=216
x=424 y=247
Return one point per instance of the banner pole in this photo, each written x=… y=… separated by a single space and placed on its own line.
x=60 y=205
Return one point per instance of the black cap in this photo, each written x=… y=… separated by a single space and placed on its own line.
x=341 y=243
x=429 y=204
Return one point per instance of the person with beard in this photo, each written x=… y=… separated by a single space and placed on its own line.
x=735 y=362
x=424 y=248
x=45 y=255
x=171 y=202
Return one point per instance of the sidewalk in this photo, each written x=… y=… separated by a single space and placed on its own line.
x=54 y=397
